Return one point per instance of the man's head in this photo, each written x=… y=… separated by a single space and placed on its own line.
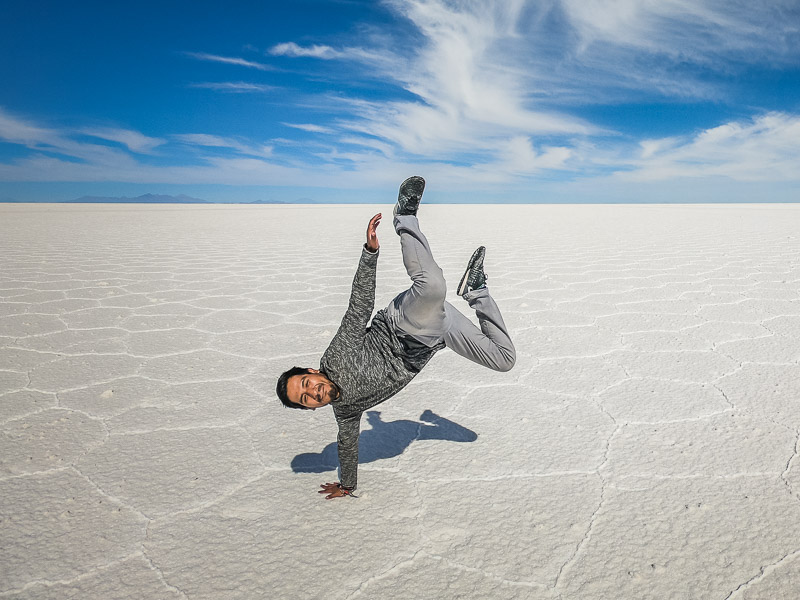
x=306 y=389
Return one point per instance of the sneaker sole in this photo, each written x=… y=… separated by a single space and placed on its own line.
x=462 y=285
x=413 y=186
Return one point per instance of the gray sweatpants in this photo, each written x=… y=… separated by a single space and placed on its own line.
x=422 y=313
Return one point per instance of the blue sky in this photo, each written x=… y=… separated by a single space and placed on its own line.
x=489 y=100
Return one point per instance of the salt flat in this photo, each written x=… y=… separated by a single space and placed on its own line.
x=645 y=445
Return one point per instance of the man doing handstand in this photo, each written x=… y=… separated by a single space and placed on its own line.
x=366 y=364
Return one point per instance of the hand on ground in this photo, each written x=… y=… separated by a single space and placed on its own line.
x=334 y=490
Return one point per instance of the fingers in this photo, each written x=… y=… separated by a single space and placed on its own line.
x=332 y=490
x=372 y=233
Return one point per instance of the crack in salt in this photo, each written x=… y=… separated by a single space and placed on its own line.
x=724 y=395
x=785 y=473
x=111 y=497
x=382 y=575
x=762 y=572
x=604 y=485
x=253 y=447
x=85 y=575
x=35 y=473
x=154 y=567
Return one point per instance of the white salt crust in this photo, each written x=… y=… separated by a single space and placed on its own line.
x=644 y=446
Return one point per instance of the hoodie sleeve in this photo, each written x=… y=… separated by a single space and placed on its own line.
x=349 y=429
x=362 y=298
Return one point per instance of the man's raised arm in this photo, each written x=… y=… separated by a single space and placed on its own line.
x=362 y=296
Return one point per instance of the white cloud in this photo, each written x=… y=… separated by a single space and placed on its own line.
x=324 y=52
x=385 y=149
x=668 y=47
x=204 y=139
x=489 y=70
x=764 y=149
x=310 y=127
x=485 y=93
x=235 y=87
x=315 y=51
x=215 y=141
x=520 y=157
x=135 y=141
x=689 y=29
x=17 y=130
x=486 y=75
x=464 y=73
x=229 y=60
x=228 y=171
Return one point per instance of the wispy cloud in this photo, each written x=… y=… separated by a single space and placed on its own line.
x=229 y=60
x=667 y=48
x=496 y=82
x=324 y=52
x=215 y=141
x=18 y=130
x=310 y=127
x=475 y=92
x=315 y=51
x=766 y=148
x=133 y=140
x=233 y=87
x=469 y=97
x=204 y=139
x=693 y=30
x=215 y=170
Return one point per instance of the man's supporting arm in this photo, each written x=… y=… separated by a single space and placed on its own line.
x=348 y=451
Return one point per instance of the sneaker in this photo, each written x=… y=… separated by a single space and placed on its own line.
x=474 y=278
x=410 y=195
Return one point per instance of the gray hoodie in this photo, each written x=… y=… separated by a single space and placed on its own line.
x=368 y=363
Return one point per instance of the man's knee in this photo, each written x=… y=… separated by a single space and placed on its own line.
x=507 y=362
x=433 y=285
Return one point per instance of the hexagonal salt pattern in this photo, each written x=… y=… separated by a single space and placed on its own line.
x=58 y=526
x=645 y=445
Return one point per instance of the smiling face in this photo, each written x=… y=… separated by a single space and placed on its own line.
x=311 y=390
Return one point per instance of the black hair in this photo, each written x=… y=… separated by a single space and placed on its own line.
x=283 y=380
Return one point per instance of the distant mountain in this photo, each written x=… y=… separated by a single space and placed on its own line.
x=143 y=199
x=298 y=201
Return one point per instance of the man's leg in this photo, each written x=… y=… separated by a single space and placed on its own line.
x=490 y=345
x=419 y=311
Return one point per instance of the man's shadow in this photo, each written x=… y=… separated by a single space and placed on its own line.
x=385 y=440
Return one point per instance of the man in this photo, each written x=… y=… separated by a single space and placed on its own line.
x=366 y=364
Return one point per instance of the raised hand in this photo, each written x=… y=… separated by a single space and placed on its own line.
x=334 y=490
x=372 y=233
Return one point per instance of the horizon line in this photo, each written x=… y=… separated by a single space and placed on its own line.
x=430 y=202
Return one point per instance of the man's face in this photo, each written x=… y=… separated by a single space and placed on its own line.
x=311 y=390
